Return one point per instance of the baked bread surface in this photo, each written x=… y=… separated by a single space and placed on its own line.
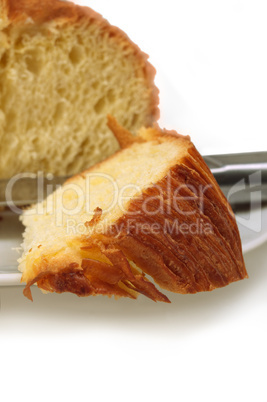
x=63 y=68
x=151 y=213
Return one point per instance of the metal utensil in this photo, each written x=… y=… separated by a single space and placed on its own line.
x=239 y=175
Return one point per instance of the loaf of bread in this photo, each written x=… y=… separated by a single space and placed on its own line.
x=151 y=212
x=63 y=68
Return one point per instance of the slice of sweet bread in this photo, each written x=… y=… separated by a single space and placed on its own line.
x=152 y=211
x=63 y=68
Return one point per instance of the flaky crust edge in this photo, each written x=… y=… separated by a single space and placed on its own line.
x=125 y=247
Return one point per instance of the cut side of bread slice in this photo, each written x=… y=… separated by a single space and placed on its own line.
x=152 y=214
x=63 y=68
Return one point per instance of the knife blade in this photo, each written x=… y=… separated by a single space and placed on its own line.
x=242 y=177
x=238 y=175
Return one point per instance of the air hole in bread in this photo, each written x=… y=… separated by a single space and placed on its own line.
x=85 y=143
x=76 y=54
x=67 y=152
x=59 y=112
x=61 y=91
x=4 y=60
x=35 y=141
x=134 y=119
x=33 y=62
x=95 y=85
x=100 y=105
x=19 y=44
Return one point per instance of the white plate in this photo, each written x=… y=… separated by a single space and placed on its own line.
x=252 y=226
x=10 y=240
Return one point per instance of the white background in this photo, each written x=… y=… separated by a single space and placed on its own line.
x=212 y=72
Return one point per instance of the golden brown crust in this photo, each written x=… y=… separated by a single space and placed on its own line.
x=115 y=278
x=186 y=239
x=45 y=11
x=123 y=136
x=170 y=258
x=207 y=257
x=96 y=218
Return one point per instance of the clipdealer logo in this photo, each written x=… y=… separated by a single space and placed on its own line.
x=253 y=216
x=75 y=198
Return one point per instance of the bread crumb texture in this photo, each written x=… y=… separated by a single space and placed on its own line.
x=63 y=68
